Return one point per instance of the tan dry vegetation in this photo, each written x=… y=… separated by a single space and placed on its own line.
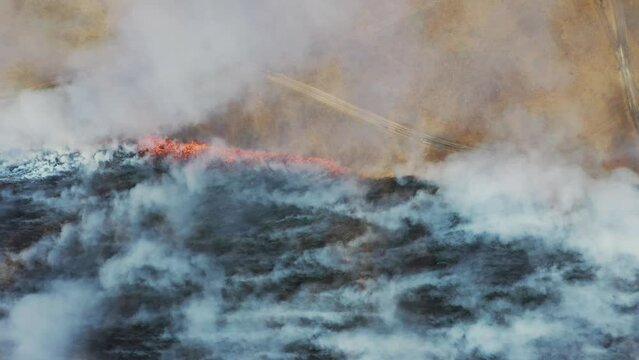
x=469 y=66
x=460 y=69
x=42 y=33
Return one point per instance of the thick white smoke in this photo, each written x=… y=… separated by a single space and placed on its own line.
x=165 y=64
x=519 y=211
x=519 y=250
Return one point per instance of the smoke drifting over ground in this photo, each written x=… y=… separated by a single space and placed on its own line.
x=452 y=68
x=522 y=247
x=162 y=65
x=204 y=259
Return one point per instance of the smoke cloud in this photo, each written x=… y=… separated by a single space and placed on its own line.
x=117 y=70
x=247 y=261
x=161 y=65
x=520 y=247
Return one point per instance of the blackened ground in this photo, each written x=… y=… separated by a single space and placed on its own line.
x=285 y=274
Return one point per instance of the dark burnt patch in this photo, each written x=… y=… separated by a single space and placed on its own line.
x=308 y=350
x=392 y=190
x=131 y=341
x=432 y=306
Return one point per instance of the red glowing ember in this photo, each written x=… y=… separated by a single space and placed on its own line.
x=229 y=155
x=168 y=147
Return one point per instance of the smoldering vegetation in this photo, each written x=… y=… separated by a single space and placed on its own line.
x=140 y=258
x=470 y=71
x=521 y=247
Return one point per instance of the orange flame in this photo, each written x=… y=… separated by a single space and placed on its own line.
x=229 y=155
x=168 y=147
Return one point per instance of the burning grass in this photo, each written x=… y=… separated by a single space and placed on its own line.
x=176 y=150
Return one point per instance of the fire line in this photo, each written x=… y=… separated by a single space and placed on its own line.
x=176 y=150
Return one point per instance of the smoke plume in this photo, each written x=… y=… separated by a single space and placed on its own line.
x=455 y=180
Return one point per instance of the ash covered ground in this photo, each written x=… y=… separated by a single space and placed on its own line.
x=515 y=237
x=109 y=255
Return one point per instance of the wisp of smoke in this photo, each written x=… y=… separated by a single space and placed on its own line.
x=160 y=199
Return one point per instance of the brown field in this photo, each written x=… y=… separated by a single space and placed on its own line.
x=468 y=71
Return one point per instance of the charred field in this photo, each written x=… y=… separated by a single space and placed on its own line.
x=203 y=259
x=319 y=179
